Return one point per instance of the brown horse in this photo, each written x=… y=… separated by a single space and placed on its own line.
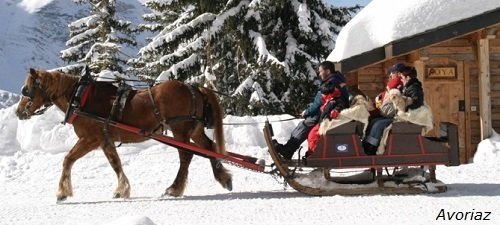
x=172 y=99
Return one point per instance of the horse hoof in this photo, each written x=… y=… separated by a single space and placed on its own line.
x=117 y=195
x=61 y=198
x=172 y=192
x=229 y=185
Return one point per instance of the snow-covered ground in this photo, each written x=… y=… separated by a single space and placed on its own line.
x=31 y=154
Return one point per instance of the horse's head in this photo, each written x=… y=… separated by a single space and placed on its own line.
x=34 y=96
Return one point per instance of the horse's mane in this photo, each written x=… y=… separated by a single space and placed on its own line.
x=57 y=83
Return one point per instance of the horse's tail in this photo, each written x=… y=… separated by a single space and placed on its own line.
x=217 y=117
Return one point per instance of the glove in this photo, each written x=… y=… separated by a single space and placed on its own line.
x=334 y=114
x=327 y=109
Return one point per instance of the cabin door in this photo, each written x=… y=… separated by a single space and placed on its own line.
x=443 y=82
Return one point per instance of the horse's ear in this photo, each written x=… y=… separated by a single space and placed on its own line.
x=33 y=73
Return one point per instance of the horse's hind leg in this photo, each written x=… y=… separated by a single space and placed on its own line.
x=221 y=174
x=123 y=188
x=81 y=148
x=176 y=189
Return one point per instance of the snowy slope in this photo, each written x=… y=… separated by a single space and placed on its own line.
x=31 y=161
x=33 y=32
x=7 y=99
x=383 y=21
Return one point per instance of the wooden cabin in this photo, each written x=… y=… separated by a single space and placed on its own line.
x=459 y=66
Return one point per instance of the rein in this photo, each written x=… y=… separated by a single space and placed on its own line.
x=274 y=121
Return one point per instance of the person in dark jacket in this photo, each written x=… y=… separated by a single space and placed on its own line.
x=331 y=80
x=412 y=88
x=412 y=91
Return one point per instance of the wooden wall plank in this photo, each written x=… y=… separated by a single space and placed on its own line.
x=450 y=50
x=467 y=96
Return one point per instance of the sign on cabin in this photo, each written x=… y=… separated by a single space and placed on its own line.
x=441 y=71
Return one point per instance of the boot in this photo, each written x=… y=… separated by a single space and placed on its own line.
x=280 y=148
x=287 y=150
x=369 y=148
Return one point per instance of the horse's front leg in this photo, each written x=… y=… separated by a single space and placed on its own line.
x=123 y=188
x=81 y=148
x=176 y=189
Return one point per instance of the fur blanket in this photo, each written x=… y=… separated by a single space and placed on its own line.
x=421 y=116
x=359 y=111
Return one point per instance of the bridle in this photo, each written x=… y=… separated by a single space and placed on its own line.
x=30 y=94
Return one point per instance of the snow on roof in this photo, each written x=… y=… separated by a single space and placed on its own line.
x=384 y=21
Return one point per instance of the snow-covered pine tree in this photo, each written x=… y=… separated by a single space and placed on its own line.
x=290 y=38
x=264 y=53
x=96 y=40
x=184 y=27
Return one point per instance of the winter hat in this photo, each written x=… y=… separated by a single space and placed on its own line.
x=394 y=83
x=398 y=67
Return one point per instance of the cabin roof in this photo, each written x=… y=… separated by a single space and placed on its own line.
x=366 y=39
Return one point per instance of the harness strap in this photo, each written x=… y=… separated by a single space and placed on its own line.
x=176 y=119
x=105 y=129
x=124 y=91
x=81 y=93
x=193 y=100
x=163 y=124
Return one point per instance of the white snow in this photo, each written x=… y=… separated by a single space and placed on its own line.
x=260 y=44
x=33 y=6
x=383 y=21
x=116 y=77
x=171 y=73
x=169 y=33
x=86 y=21
x=304 y=16
x=31 y=154
x=7 y=99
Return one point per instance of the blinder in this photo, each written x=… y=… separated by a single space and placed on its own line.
x=27 y=93
x=30 y=93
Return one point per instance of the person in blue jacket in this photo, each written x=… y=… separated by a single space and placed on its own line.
x=331 y=79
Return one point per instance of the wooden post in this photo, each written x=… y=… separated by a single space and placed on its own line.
x=484 y=88
x=379 y=177
x=388 y=51
x=338 y=66
x=432 y=173
x=420 y=67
